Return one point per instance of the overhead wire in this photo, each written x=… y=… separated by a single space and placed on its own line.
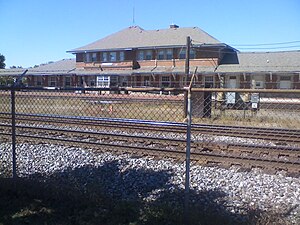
x=288 y=48
x=267 y=44
x=282 y=47
x=254 y=46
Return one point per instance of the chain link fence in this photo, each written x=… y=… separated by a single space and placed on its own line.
x=148 y=145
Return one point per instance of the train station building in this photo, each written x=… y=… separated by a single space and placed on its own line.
x=134 y=57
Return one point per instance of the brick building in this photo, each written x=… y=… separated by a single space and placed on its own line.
x=156 y=58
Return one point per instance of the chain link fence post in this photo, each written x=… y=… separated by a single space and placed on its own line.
x=13 y=122
x=187 y=159
x=13 y=130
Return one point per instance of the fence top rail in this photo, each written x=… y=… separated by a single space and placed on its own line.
x=246 y=90
x=149 y=89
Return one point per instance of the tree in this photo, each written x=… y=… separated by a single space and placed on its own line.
x=2 y=59
x=15 y=67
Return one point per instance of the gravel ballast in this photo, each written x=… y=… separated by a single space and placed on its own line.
x=129 y=177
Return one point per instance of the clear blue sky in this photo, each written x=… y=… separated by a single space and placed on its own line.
x=38 y=31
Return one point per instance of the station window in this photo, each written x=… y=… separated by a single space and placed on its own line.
x=140 y=55
x=165 y=54
x=285 y=78
x=182 y=54
x=104 y=57
x=124 y=81
x=112 y=56
x=91 y=81
x=103 y=81
x=94 y=57
x=148 y=54
x=67 y=81
x=209 y=81
x=147 y=81
x=192 y=54
x=259 y=84
x=38 y=81
x=144 y=55
x=52 y=81
x=88 y=57
x=121 y=56
x=165 y=81
x=161 y=54
x=169 y=53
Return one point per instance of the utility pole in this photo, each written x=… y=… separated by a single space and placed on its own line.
x=188 y=135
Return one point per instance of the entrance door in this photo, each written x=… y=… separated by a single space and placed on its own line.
x=231 y=96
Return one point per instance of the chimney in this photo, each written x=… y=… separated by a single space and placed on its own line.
x=174 y=26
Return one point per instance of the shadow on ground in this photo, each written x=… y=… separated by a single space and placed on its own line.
x=106 y=195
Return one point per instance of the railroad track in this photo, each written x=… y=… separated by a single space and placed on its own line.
x=277 y=135
x=271 y=158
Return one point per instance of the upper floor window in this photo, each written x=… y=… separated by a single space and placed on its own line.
x=148 y=54
x=140 y=55
x=161 y=54
x=144 y=55
x=192 y=53
x=104 y=57
x=121 y=56
x=169 y=54
x=165 y=54
x=94 y=57
x=182 y=53
x=88 y=57
x=112 y=56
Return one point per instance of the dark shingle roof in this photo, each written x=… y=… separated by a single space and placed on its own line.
x=243 y=62
x=136 y=37
x=285 y=61
x=64 y=66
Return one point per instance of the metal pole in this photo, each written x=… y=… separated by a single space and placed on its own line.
x=13 y=131
x=187 y=158
x=187 y=56
x=13 y=123
x=188 y=136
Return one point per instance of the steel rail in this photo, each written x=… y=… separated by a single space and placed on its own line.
x=241 y=148
x=207 y=158
x=273 y=134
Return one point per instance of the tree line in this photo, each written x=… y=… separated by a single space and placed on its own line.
x=2 y=59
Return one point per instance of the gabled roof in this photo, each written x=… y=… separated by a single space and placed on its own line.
x=250 y=62
x=64 y=66
x=136 y=37
x=242 y=62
